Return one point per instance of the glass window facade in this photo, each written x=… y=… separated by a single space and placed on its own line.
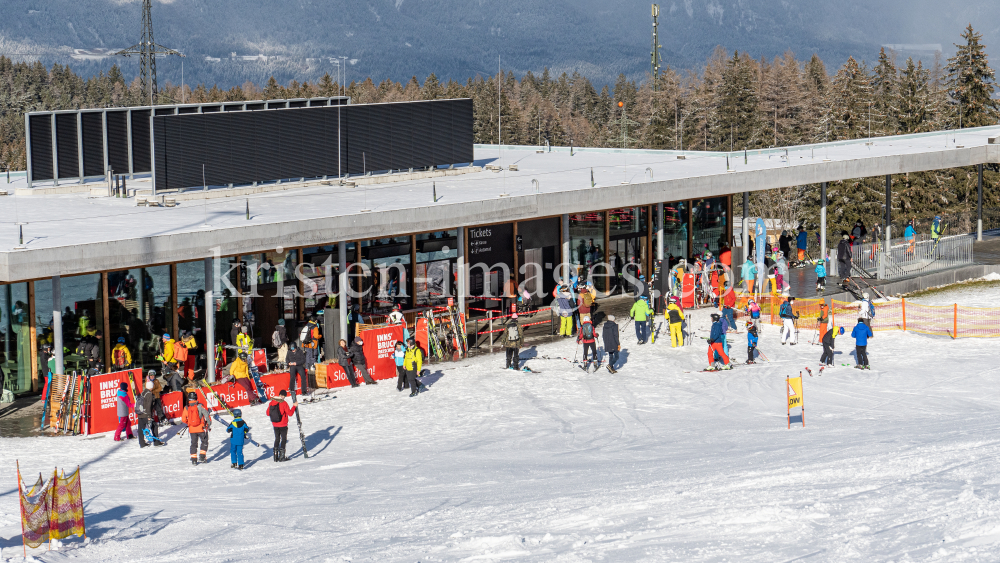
x=82 y=307
x=387 y=274
x=437 y=255
x=627 y=243
x=709 y=224
x=139 y=313
x=191 y=310
x=586 y=239
x=15 y=331
x=675 y=230
x=318 y=292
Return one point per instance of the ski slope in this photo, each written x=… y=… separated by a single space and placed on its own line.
x=660 y=462
x=983 y=292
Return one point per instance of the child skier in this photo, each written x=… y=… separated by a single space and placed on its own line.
x=715 y=346
x=413 y=363
x=149 y=433
x=588 y=337
x=820 y=276
x=199 y=423
x=240 y=433
x=826 y=359
x=861 y=333
x=751 y=342
x=753 y=309
x=398 y=355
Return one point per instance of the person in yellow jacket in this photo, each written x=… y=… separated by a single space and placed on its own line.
x=676 y=317
x=167 y=354
x=413 y=362
x=240 y=371
x=243 y=341
x=121 y=358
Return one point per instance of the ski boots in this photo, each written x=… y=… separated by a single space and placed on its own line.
x=194 y=460
x=414 y=393
x=201 y=459
x=240 y=467
x=233 y=466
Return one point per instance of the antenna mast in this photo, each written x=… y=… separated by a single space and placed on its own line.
x=655 y=54
x=147 y=49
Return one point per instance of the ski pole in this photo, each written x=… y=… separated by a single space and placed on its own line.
x=762 y=355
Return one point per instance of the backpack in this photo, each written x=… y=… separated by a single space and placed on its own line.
x=512 y=332
x=871 y=310
x=588 y=299
x=194 y=417
x=140 y=409
x=119 y=357
x=180 y=351
x=588 y=330
x=307 y=337
x=276 y=339
x=675 y=316
x=274 y=412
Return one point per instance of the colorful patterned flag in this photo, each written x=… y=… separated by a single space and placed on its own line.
x=67 y=507
x=52 y=509
x=35 y=509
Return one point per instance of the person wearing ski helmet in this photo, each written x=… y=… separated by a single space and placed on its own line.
x=866 y=309
x=826 y=360
x=240 y=432
x=675 y=316
x=295 y=358
x=511 y=338
x=199 y=423
x=752 y=336
x=715 y=344
x=588 y=337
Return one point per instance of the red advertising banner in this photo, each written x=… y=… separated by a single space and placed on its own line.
x=380 y=343
x=422 y=335
x=104 y=399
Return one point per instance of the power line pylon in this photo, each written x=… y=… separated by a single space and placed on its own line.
x=655 y=54
x=147 y=49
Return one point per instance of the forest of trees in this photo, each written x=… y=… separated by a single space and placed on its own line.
x=734 y=102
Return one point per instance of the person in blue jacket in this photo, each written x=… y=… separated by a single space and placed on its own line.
x=240 y=432
x=861 y=333
x=802 y=243
x=399 y=354
x=820 y=275
x=751 y=341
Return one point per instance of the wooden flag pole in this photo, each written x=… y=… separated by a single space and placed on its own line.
x=788 y=410
x=21 y=506
x=802 y=397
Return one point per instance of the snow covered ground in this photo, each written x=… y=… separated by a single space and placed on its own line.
x=968 y=294
x=660 y=462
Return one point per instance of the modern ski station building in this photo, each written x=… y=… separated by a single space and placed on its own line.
x=130 y=220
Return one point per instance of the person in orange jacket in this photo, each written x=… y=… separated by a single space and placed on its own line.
x=199 y=424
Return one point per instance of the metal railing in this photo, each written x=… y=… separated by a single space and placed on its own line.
x=911 y=257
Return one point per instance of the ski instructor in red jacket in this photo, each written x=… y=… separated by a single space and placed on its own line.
x=279 y=411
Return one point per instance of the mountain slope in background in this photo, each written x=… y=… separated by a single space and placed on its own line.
x=457 y=39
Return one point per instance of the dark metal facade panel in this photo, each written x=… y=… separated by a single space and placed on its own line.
x=118 y=141
x=379 y=157
x=164 y=111
x=41 y=146
x=268 y=145
x=297 y=104
x=66 y=145
x=244 y=147
x=440 y=132
x=462 y=135
x=187 y=110
x=290 y=144
x=140 y=141
x=93 y=144
x=401 y=135
x=423 y=150
x=253 y=107
x=314 y=144
x=356 y=124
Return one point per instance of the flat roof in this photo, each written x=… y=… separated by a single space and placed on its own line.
x=74 y=233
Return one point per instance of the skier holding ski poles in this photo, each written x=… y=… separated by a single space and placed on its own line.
x=199 y=423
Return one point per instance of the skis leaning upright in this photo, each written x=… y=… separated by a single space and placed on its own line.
x=298 y=419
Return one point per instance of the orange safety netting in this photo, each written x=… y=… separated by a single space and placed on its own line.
x=52 y=509
x=949 y=320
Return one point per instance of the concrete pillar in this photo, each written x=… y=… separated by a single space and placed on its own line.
x=210 y=319
x=659 y=233
x=565 y=248
x=979 y=204
x=463 y=272
x=342 y=281
x=142 y=294
x=57 y=332
x=55 y=153
x=746 y=226
x=822 y=227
